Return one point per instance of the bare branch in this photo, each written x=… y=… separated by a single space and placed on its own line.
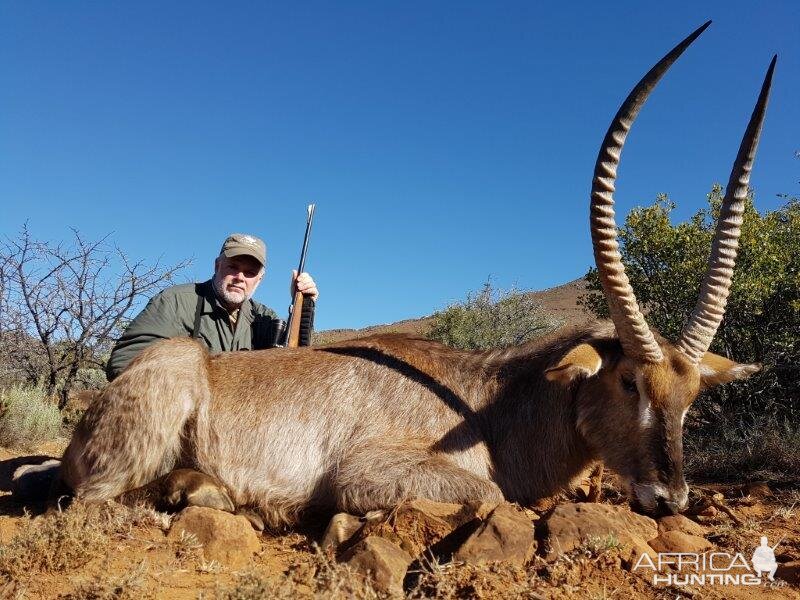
x=62 y=303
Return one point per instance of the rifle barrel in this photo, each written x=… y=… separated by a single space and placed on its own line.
x=303 y=253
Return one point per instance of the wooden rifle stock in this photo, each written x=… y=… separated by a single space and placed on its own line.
x=296 y=310
x=293 y=340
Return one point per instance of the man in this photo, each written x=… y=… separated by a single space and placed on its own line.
x=218 y=312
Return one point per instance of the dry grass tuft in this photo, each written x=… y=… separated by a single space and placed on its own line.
x=128 y=586
x=120 y=519
x=457 y=580
x=322 y=578
x=736 y=536
x=54 y=543
x=62 y=541
x=27 y=417
x=593 y=546
x=435 y=580
x=247 y=586
x=187 y=547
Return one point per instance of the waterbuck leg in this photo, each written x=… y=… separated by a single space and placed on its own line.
x=253 y=515
x=380 y=475
x=181 y=488
x=132 y=433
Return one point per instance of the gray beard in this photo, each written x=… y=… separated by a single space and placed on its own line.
x=235 y=299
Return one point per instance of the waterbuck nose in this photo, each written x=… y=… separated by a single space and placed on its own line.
x=673 y=502
x=667 y=507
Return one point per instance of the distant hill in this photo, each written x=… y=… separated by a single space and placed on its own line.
x=561 y=301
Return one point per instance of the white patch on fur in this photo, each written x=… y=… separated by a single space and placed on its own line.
x=742 y=371
x=736 y=372
x=683 y=415
x=645 y=405
x=706 y=371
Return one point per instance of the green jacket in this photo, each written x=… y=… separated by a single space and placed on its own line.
x=172 y=314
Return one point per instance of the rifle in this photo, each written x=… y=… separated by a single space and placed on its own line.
x=295 y=310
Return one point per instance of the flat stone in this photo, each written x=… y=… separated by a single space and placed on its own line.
x=417 y=524
x=709 y=511
x=756 y=489
x=678 y=541
x=571 y=525
x=680 y=523
x=506 y=534
x=228 y=539
x=380 y=560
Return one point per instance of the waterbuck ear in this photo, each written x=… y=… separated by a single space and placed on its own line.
x=580 y=362
x=716 y=369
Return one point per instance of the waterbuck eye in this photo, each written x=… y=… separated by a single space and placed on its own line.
x=629 y=385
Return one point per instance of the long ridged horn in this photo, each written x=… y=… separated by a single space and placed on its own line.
x=699 y=331
x=635 y=336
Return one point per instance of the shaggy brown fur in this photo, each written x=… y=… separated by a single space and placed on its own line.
x=365 y=424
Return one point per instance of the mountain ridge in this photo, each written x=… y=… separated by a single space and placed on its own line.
x=561 y=301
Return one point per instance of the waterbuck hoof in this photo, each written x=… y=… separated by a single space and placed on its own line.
x=187 y=487
x=375 y=516
x=253 y=516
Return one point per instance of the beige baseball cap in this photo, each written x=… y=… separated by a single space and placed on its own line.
x=237 y=244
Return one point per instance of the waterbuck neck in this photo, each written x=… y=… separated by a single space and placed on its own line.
x=531 y=427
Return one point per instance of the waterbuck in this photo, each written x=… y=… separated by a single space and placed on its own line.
x=364 y=424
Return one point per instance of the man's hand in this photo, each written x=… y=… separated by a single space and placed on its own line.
x=304 y=284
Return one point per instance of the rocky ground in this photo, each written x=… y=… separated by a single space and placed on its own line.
x=562 y=548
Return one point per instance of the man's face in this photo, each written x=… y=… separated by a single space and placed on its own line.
x=236 y=278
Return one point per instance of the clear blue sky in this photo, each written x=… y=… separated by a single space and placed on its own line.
x=442 y=142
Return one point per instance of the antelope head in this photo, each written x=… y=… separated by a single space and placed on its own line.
x=635 y=387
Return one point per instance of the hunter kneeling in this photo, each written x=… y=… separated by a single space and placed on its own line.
x=220 y=312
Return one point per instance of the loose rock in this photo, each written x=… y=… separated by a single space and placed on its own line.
x=505 y=535
x=680 y=523
x=709 y=511
x=571 y=525
x=384 y=562
x=417 y=524
x=678 y=541
x=228 y=539
x=756 y=489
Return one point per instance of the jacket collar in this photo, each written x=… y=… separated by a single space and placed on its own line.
x=215 y=306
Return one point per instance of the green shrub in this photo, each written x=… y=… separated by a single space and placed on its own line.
x=666 y=263
x=90 y=379
x=743 y=428
x=491 y=319
x=27 y=417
